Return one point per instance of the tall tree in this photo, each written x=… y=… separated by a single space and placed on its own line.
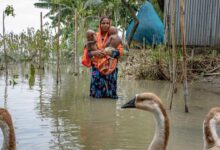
x=9 y=10
x=41 y=66
x=136 y=21
x=161 y=4
x=58 y=52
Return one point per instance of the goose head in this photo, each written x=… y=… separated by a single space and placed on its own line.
x=152 y=103
x=144 y=101
x=214 y=115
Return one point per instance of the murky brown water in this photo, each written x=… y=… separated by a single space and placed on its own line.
x=66 y=118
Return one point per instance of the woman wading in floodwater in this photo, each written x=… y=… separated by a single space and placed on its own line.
x=102 y=85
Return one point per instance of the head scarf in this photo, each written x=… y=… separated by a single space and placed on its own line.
x=101 y=43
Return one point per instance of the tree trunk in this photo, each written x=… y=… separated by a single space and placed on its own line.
x=136 y=21
x=4 y=45
x=40 y=49
x=161 y=4
x=73 y=45
x=76 y=47
x=6 y=64
x=184 y=65
x=167 y=23
x=174 y=55
x=58 y=52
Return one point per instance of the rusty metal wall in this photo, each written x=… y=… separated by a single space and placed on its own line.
x=202 y=22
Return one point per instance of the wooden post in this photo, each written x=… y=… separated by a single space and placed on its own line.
x=184 y=65
x=167 y=35
x=174 y=55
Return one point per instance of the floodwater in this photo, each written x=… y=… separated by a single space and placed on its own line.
x=50 y=117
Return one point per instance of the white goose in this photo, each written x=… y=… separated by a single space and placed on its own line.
x=210 y=137
x=151 y=102
x=8 y=130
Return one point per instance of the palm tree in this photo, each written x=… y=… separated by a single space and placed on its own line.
x=9 y=10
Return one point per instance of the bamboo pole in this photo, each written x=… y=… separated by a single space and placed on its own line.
x=167 y=35
x=184 y=65
x=174 y=55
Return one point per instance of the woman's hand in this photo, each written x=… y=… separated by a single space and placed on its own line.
x=97 y=53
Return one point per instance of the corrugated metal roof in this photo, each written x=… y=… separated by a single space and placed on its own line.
x=202 y=22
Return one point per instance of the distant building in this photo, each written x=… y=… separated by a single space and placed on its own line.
x=202 y=22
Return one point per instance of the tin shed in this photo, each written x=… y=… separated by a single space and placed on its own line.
x=202 y=22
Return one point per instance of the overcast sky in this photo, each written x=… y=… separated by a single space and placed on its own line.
x=26 y=15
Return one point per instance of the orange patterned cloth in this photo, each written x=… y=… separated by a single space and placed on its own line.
x=106 y=64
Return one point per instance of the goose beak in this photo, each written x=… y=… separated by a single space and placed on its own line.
x=129 y=104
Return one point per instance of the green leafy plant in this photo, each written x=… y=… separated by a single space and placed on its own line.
x=9 y=10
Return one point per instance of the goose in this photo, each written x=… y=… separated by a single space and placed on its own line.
x=152 y=103
x=8 y=130
x=210 y=137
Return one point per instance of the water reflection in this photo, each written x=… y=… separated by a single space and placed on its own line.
x=6 y=91
x=64 y=117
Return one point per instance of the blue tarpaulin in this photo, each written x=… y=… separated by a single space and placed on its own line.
x=150 y=28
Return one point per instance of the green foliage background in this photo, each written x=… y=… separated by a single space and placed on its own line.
x=25 y=46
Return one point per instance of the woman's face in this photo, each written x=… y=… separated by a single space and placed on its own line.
x=105 y=24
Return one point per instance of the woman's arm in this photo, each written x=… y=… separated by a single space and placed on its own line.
x=97 y=53
x=118 y=52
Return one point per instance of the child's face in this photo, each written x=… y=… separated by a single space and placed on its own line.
x=113 y=31
x=91 y=36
